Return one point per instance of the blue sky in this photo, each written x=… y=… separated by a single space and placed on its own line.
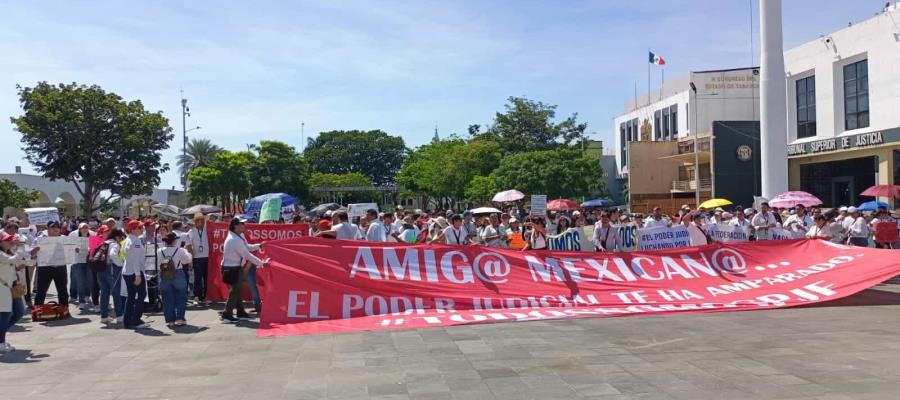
x=255 y=70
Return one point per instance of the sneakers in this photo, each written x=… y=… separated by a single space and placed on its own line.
x=6 y=348
x=180 y=322
x=143 y=326
x=228 y=318
x=107 y=320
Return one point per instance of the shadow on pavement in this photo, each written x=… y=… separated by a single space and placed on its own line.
x=22 y=357
x=868 y=297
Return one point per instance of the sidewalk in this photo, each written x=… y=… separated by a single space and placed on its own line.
x=844 y=350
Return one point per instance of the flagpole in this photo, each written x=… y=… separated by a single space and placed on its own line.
x=635 y=105
x=648 y=76
x=662 y=70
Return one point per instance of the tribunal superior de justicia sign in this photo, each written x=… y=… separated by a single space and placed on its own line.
x=849 y=142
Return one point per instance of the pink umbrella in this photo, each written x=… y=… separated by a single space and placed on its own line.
x=793 y=199
x=883 y=191
x=508 y=195
x=562 y=205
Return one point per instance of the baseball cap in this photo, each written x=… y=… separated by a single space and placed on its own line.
x=324 y=224
x=82 y=225
x=134 y=224
x=852 y=209
x=102 y=229
x=748 y=211
x=843 y=208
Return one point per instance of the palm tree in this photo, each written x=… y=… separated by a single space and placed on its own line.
x=199 y=153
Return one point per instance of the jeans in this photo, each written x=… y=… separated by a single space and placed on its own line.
x=134 y=301
x=234 y=297
x=46 y=275
x=73 y=283
x=110 y=285
x=201 y=269
x=174 y=297
x=83 y=282
x=254 y=290
x=8 y=319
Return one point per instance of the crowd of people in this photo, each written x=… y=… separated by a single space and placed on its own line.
x=175 y=255
x=114 y=280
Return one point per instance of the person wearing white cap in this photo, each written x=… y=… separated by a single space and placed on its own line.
x=858 y=232
x=81 y=280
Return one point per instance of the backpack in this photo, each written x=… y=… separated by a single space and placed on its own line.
x=98 y=259
x=167 y=267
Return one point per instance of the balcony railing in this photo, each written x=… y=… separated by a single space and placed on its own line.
x=691 y=185
x=687 y=146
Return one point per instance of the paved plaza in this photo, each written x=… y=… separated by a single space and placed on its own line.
x=848 y=349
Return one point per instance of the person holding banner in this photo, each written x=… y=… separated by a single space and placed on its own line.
x=453 y=235
x=409 y=233
x=697 y=233
x=235 y=252
x=884 y=229
x=739 y=220
x=606 y=236
x=656 y=218
x=820 y=229
x=133 y=275
x=490 y=234
x=341 y=228
x=763 y=222
x=800 y=221
x=375 y=231
x=536 y=236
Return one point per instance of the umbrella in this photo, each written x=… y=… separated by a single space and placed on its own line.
x=562 y=205
x=793 y=199
x=201 y=209
x=486 y=210
x=508 y=195
x=321 y=208
x=883 y=191
x=165 y=210
x=873 y=205
x=255 y=204
x=713 y=203
x=596 y=203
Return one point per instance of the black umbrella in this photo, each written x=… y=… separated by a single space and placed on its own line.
x=321 y=208
x=200 y=208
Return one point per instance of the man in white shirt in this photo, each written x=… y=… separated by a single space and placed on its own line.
x=740 y=220
x=858 y=232
x=800 y=221
x=655 y=219
x=606 y=236
x=341 y=227
x=696 y=231
x=198 y=246
x=376 y=231
x=390 y=230
x=454 y=234
x=763 y=222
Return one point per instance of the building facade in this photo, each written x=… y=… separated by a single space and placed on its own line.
x=656 y=151
x=843 y=96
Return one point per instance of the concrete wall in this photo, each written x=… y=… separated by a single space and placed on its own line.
x=649 y=175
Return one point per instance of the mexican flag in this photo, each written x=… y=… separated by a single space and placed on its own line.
x=655 y=59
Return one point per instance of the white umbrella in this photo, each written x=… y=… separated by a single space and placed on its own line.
x=486 y=210
x=508 y=195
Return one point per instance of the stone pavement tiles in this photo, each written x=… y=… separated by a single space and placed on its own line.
x=845 y=350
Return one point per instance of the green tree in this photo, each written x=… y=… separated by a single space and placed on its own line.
x=528 y=125
x=11 y=195
x=351 y=179
x=562 y=172
x=279 y=168
x=373 y=153
x=93 y=139
x=481 y=189
x=198 y=153
x=463 y=163
x=425 y=173
x=226 y=182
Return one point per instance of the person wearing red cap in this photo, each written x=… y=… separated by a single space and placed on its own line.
x=47 y=274
x=133 y=275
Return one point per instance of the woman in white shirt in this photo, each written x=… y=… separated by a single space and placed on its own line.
x=133 y=275
x=11 y=309
x=173 y=289
x=537 y=238
x=235 y=252
x=820 y=229
x=490 y=233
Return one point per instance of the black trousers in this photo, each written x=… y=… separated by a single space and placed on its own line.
x=57 y=275
x=201 y=269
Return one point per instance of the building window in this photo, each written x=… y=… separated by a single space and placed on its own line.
x=673 y=115
x=657 y=128
x=806 y=107
x=665 y=124
x=856 y=95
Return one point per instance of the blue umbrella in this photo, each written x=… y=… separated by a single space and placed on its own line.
x=597 y=203
x=254 y=205
x=873 y=205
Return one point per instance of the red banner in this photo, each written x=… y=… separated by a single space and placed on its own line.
x=327 y=286
x=218 y=290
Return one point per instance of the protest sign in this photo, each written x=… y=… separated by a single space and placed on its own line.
x=52 y=251
x=359 y=210
x=42 y=216
x=327 y=286
x=538 y=204
x=886 y=232
x=76 y=249
x=271 y=210
x=287 y=213
x=663 y=237
x=573 y=239
x=256 y=233
x=727 y=233
x=628 y=237
x=783 y=234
